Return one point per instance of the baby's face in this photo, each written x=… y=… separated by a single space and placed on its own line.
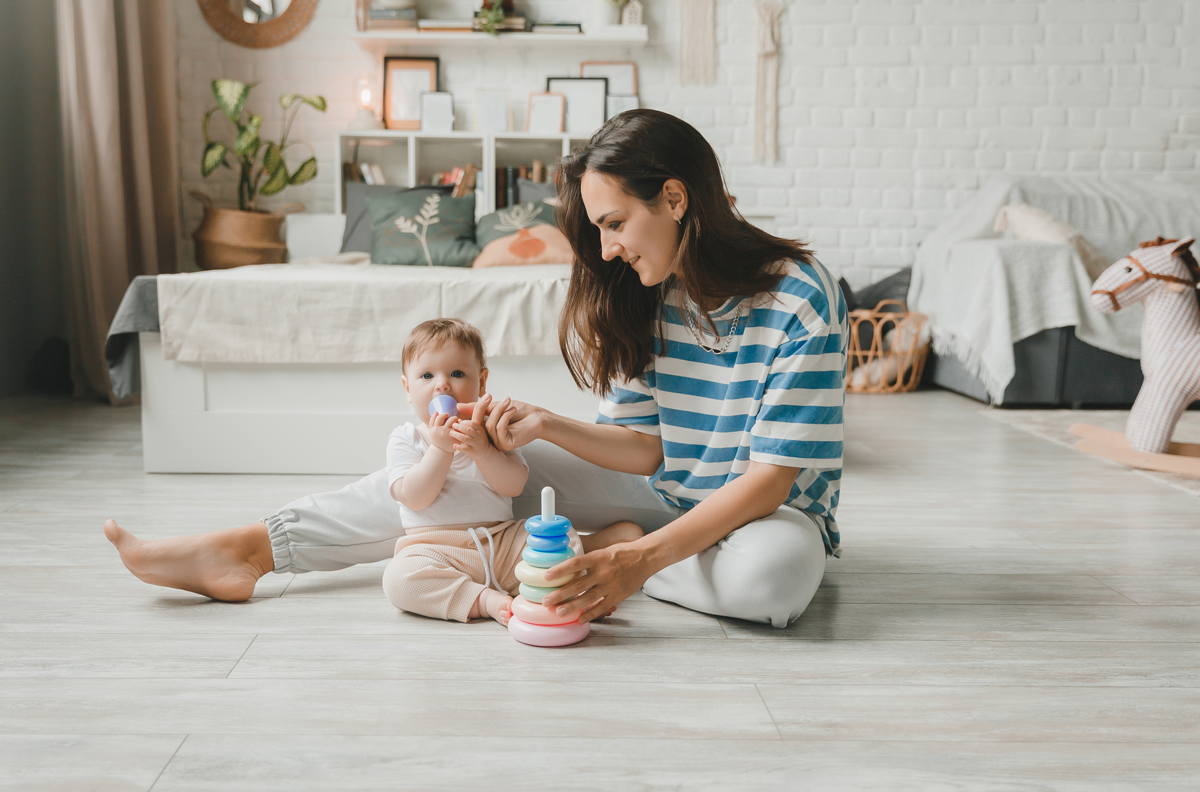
x=447 y=370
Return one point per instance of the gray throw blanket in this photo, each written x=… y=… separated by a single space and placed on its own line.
x=138 y=313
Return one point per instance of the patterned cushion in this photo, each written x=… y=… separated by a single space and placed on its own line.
x=521 y=234
x=423 y=228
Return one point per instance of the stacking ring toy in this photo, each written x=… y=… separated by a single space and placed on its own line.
x=547 y=634
x=536 y=576
x=535 y=593
x=547 y=526
x=546 y=560
x=443 y=404
x=535 y=613
x=547 y=544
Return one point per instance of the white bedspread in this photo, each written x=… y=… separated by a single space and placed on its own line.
x=332 y=312
x=983 y=293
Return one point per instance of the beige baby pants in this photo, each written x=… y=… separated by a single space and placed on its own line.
x=439 y=571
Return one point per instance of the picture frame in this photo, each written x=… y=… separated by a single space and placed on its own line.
x=437 y=112
x=615 y=105
x=547 y=113
x=585 y=102
x=622 y=75
x=404 y=80
x=493 y=110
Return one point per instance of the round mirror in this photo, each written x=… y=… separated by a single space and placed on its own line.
x=258 y=24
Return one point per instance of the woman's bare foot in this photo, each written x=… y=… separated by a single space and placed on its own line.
x=613 y=534
x=223 y=565
x=493 y=604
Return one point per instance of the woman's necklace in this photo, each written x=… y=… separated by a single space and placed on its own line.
x=694 y=327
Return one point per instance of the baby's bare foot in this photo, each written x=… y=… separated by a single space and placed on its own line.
x=223 y=565
x=614 y=534
x=496 y=605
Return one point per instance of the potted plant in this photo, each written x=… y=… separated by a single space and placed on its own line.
x=236 y=237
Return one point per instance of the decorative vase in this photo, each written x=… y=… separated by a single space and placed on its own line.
x=228 y=238
x=604 y=13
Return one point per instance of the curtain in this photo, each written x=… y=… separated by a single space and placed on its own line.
x=120 y=128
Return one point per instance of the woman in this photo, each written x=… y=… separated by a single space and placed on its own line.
x=720 y=353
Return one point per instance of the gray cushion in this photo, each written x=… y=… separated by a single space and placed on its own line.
x=357 y=237
x=423 y=227
x=535 y=191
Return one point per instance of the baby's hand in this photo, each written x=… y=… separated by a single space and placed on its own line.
x=441 y=431
x=471 y=439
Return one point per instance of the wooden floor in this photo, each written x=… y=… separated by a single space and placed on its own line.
x=1008 y=614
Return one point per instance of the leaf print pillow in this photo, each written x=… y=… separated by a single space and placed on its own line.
x=424 y=228
x=521 y=234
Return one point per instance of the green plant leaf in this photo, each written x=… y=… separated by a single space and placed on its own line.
x=306 y=172
x=287 y=100
x=275 y=184
x=214 y=157
x=247 y=143
x=255 y=123
x=231 y=97
x=272 y=159
x=317 y=102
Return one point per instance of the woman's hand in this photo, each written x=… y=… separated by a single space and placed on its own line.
x=512 y=424
x=611 y=575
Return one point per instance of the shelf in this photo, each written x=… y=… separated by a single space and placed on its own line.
x=608 y=35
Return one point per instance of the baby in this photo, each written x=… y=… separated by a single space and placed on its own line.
x=457 y=558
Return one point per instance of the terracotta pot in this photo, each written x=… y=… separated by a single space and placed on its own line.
x=228 y=238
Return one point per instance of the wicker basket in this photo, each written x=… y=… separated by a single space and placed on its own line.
x=876 y=369
x=228 y=238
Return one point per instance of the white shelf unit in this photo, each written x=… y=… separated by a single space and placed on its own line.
x=410 y=159
x=380 y=41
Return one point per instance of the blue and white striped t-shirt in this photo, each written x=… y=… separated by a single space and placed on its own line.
x=775 y=395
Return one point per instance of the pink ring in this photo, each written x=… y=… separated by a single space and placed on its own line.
x=546 y=634
x=537 y=613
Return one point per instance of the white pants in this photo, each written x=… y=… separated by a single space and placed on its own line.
x=765 y=571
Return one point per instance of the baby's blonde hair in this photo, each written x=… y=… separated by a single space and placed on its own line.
x=436 y=333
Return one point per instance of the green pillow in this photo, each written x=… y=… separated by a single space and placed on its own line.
x=423 y=228
x=507 y=221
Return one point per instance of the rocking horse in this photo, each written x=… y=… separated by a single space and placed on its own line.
x=1162 y=275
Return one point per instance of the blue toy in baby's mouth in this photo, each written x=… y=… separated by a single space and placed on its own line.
x=444 y=404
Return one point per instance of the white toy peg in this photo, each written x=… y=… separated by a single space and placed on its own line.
x=547 y=503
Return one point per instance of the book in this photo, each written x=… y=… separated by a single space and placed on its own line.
x=393 y=13
x=501 y=188
x=365 y=169
x=556 y=27
x=377 y=174
x=510 y=186
x=464 y=25
x=391 y=24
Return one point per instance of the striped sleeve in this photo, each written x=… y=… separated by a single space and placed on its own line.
x=800 y=422
x=632 y=404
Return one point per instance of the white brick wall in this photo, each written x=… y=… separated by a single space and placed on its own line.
x=892 y=113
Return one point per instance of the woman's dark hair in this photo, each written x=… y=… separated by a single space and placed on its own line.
x=610 y=321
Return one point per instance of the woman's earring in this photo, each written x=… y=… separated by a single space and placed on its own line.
x=679 y=220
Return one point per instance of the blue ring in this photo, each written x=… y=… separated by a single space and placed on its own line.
x=535 y=593
x=556 y=526
x=542 y=560
x=547 y=544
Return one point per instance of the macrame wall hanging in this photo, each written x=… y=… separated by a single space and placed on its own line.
x=766 y=84
x=698 y=42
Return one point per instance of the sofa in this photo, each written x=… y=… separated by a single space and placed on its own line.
x=1010 y=319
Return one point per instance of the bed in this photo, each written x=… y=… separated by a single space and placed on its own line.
x=295 y=368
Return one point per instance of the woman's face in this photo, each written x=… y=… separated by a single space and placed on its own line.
x=645 y=238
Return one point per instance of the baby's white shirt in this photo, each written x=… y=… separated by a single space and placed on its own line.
x=466 y=497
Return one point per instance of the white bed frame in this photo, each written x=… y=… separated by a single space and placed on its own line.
x=297 y=418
